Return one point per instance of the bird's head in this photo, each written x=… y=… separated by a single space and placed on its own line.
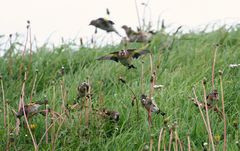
x=215 y=94
x=93 y=22
x=123 y=53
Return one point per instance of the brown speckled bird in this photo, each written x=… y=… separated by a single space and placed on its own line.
x=109 y=114
x=139 y=36
x=212 y=98
x=104 y=24
x=125 y=57
x=83 y=89
x=150 y=104
x=31 y=108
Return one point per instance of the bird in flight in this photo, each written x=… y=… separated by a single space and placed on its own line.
x=104 y=24
x=125 y=56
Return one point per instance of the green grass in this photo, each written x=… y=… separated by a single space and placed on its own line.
x=181 y=67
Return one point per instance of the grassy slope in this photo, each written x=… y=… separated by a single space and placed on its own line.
x=181 y=67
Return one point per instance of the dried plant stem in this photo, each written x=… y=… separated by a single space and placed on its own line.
x=62 y=95
x=33 y=88
x=8 y=127
x=46 y=123
x=224 y=115
x=178 y=140
x=170 y=140
x=50 y=126
x=4 y=104
x=142 y=79
x=58 y=130
x=136 y=6
x=160 y=138
x=189 y=143
x=213 y=66
x=24 y=112
x=23 y=54
x=200 y=110
x=151 y=143
x=207 y=117
x=53 y=107
x=10 y=59
x=30 y=49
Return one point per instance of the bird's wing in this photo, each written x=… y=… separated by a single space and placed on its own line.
x=137 y=53
x=109 y=57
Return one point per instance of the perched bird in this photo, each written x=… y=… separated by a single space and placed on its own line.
x=125 y=56
x=31 y=108
x=150 y=104
x=212 y=98
x=104 y=24
x=139 y=36
x=83 y=89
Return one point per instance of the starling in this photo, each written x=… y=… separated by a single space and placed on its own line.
x=83 y=89
x=104 y=24
x=31 y=108
x=139 y=36
x=150 y=104
x=212 y=98
x=125 y=57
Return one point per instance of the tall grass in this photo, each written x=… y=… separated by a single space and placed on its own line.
x=183 y=65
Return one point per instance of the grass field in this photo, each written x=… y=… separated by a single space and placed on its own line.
x=179 y=67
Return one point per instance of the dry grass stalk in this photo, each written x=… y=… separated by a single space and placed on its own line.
x=23 y=54
x=34 y=85
x=207 y=116
x=213 y=66
x=160 y=138
x=223 y=114
x=4 y=104
x=24 y=112
x=151 y=143
x=189 y=143
x=170 y=140
x=200 y=110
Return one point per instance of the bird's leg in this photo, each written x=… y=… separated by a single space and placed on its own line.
x=95 y=31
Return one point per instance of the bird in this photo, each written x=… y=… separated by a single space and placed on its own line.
x=150 y=104
x=109 y=114
x=104 y=24
x=31 y=108
x=125 y=56
x=83 y=90
x=139 y=36
x=212 y=98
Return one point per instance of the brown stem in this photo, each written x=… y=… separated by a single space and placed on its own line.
x=151 y=143
x=207 y=116
x=23 y=54
x=213 y=66
x=189 y=143
x=170 y=140
x=4 y=103
x=223 y=114
x=24 y=112
x=160 y=138
x=33 y=88
x=199 y=107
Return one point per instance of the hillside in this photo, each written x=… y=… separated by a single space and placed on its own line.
x=179 y=67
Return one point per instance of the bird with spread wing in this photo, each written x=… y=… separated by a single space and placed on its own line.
x=125 y=56
x=104 y=24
